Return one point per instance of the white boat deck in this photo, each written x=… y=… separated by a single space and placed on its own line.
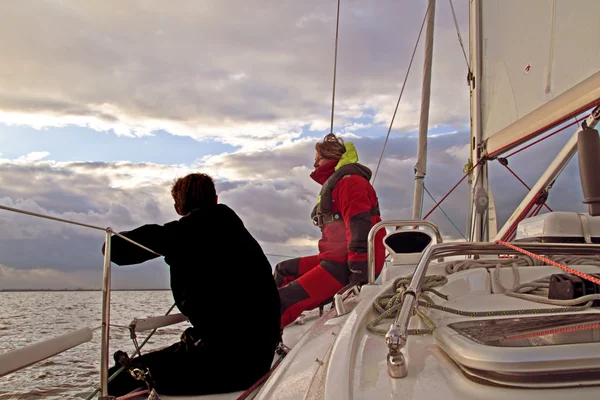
x=340 y=359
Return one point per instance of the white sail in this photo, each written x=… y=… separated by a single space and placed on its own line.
x=541 y=65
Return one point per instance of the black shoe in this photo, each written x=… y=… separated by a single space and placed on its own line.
x=121 y=358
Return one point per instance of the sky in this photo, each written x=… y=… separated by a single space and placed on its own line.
x=104 y=103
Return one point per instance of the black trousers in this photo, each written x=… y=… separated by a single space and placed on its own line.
x=195 y=370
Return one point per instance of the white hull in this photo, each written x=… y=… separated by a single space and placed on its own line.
x=338 y=358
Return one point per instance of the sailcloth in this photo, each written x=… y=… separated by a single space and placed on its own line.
x=540 y=66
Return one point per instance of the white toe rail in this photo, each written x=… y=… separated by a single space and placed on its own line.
x=147 y=324
x=21 y=358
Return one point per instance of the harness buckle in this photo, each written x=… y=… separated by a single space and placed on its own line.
x=323 y=219
x=318 y=220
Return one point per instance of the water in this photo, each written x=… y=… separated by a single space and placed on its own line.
x=29 y=317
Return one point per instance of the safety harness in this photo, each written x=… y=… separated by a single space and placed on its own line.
x=321 y=214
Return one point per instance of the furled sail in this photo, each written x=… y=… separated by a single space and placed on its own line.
x=540 y=66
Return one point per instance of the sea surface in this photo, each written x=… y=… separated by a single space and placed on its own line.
x=30 y=317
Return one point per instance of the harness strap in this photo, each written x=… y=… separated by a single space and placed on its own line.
x=323 y=219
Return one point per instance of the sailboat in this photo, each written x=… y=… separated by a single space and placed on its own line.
x=465 y=320
x=495 y=326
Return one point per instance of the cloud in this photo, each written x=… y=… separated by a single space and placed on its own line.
x=43 y=278
x=33 y=156
x=270 y=189
x=254 y=83
x=262 y=84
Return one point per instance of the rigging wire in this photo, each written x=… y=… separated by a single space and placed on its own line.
x=279 y=255
x=452 y=190
x=400 y=96
x=460 y=41
x=519 y=179
x=442 y=210
x=337 y=28
x=544 y=138
x=117 y=372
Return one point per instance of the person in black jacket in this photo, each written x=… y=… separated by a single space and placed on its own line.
x=222 y=281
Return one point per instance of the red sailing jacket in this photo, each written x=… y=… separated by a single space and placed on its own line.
x=345 y=241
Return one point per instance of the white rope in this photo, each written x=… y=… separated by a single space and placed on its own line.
x=521 y=261
x=537 y=291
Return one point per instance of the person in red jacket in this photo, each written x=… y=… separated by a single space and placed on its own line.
x=346 y=210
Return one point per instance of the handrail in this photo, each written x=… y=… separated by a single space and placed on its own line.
x=106 y=281
x=338 y=298
x=18 y=211
x=382 y=224
x=397 y=335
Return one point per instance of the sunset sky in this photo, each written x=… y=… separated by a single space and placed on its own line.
x=104 y=103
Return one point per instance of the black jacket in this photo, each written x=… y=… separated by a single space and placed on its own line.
x=220 y=277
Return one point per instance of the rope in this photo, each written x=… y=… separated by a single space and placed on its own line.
x=442 y=210
x=577 y=328
x=337 y=27
x=451 y=190
x=452 y=267
x=511 y=233
x=67 y=221
x=460 y=39
x=261 y=380
x=545 y=128
x=132 y=395
x=400 y=96
x=544 y=138
x=116 y=373
x=538 y=290
x=279 y=255
x=423 y=201
x=388 y=304
x=519 y=179
x=565 y=268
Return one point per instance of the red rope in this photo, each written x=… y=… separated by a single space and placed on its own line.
x=531 y=211
x=521 y=180
x=509 y=235
x=555 y=331
x=545 y=128
x=451 y=190
x=131 y=395
x=260 y=381
x=569 y=270
x=537 y=209
x=545 y=137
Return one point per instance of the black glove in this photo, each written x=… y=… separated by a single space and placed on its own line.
x=358 y=271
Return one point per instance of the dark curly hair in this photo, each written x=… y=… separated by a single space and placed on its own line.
x=193 y=191
x=332 y=147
